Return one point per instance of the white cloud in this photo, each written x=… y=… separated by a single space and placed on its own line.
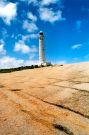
x=48 y=2
x=22 y=47
x=30 y=27
x=11 y=62
x=8 y=11
x=42 y=2
x=26 y=37
x=30 y=1
x=31 y=16
x=30 y=36
x=31 y=62
x=33 y=36
x=2 y=50
x=77 y=46
x=50 y=16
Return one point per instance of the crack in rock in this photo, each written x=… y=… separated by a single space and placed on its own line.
x=64 y=129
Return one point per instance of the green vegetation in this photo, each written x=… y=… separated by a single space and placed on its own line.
x=19 y=68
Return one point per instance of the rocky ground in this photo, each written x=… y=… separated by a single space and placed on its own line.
x=45 y=101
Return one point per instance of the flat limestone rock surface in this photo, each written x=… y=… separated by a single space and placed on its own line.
x=45 y=101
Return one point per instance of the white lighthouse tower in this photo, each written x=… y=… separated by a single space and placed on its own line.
x=41 y=49
x=42 y=60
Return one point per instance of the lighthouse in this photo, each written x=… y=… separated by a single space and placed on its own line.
x=41 y=49
x=42 y=59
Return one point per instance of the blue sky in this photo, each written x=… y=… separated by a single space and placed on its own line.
x=65 y=24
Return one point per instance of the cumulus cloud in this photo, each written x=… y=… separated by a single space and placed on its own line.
x=8 y=11
x=25 y=37
x=33 y=36
x=20 y=46
x=46 y=14
x=31 y=16
x=12 y=62
x=42 y=2
x=49 y=15
x=34 y=2
x=30 y=36
x=48 y=2
x=2 y=50
x=77 y=46
x=23 y=48
x=30 y=27
x=31 y=62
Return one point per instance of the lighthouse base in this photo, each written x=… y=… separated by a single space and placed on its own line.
x=44 y=64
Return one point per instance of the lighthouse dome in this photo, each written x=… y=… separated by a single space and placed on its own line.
x=41 y=32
